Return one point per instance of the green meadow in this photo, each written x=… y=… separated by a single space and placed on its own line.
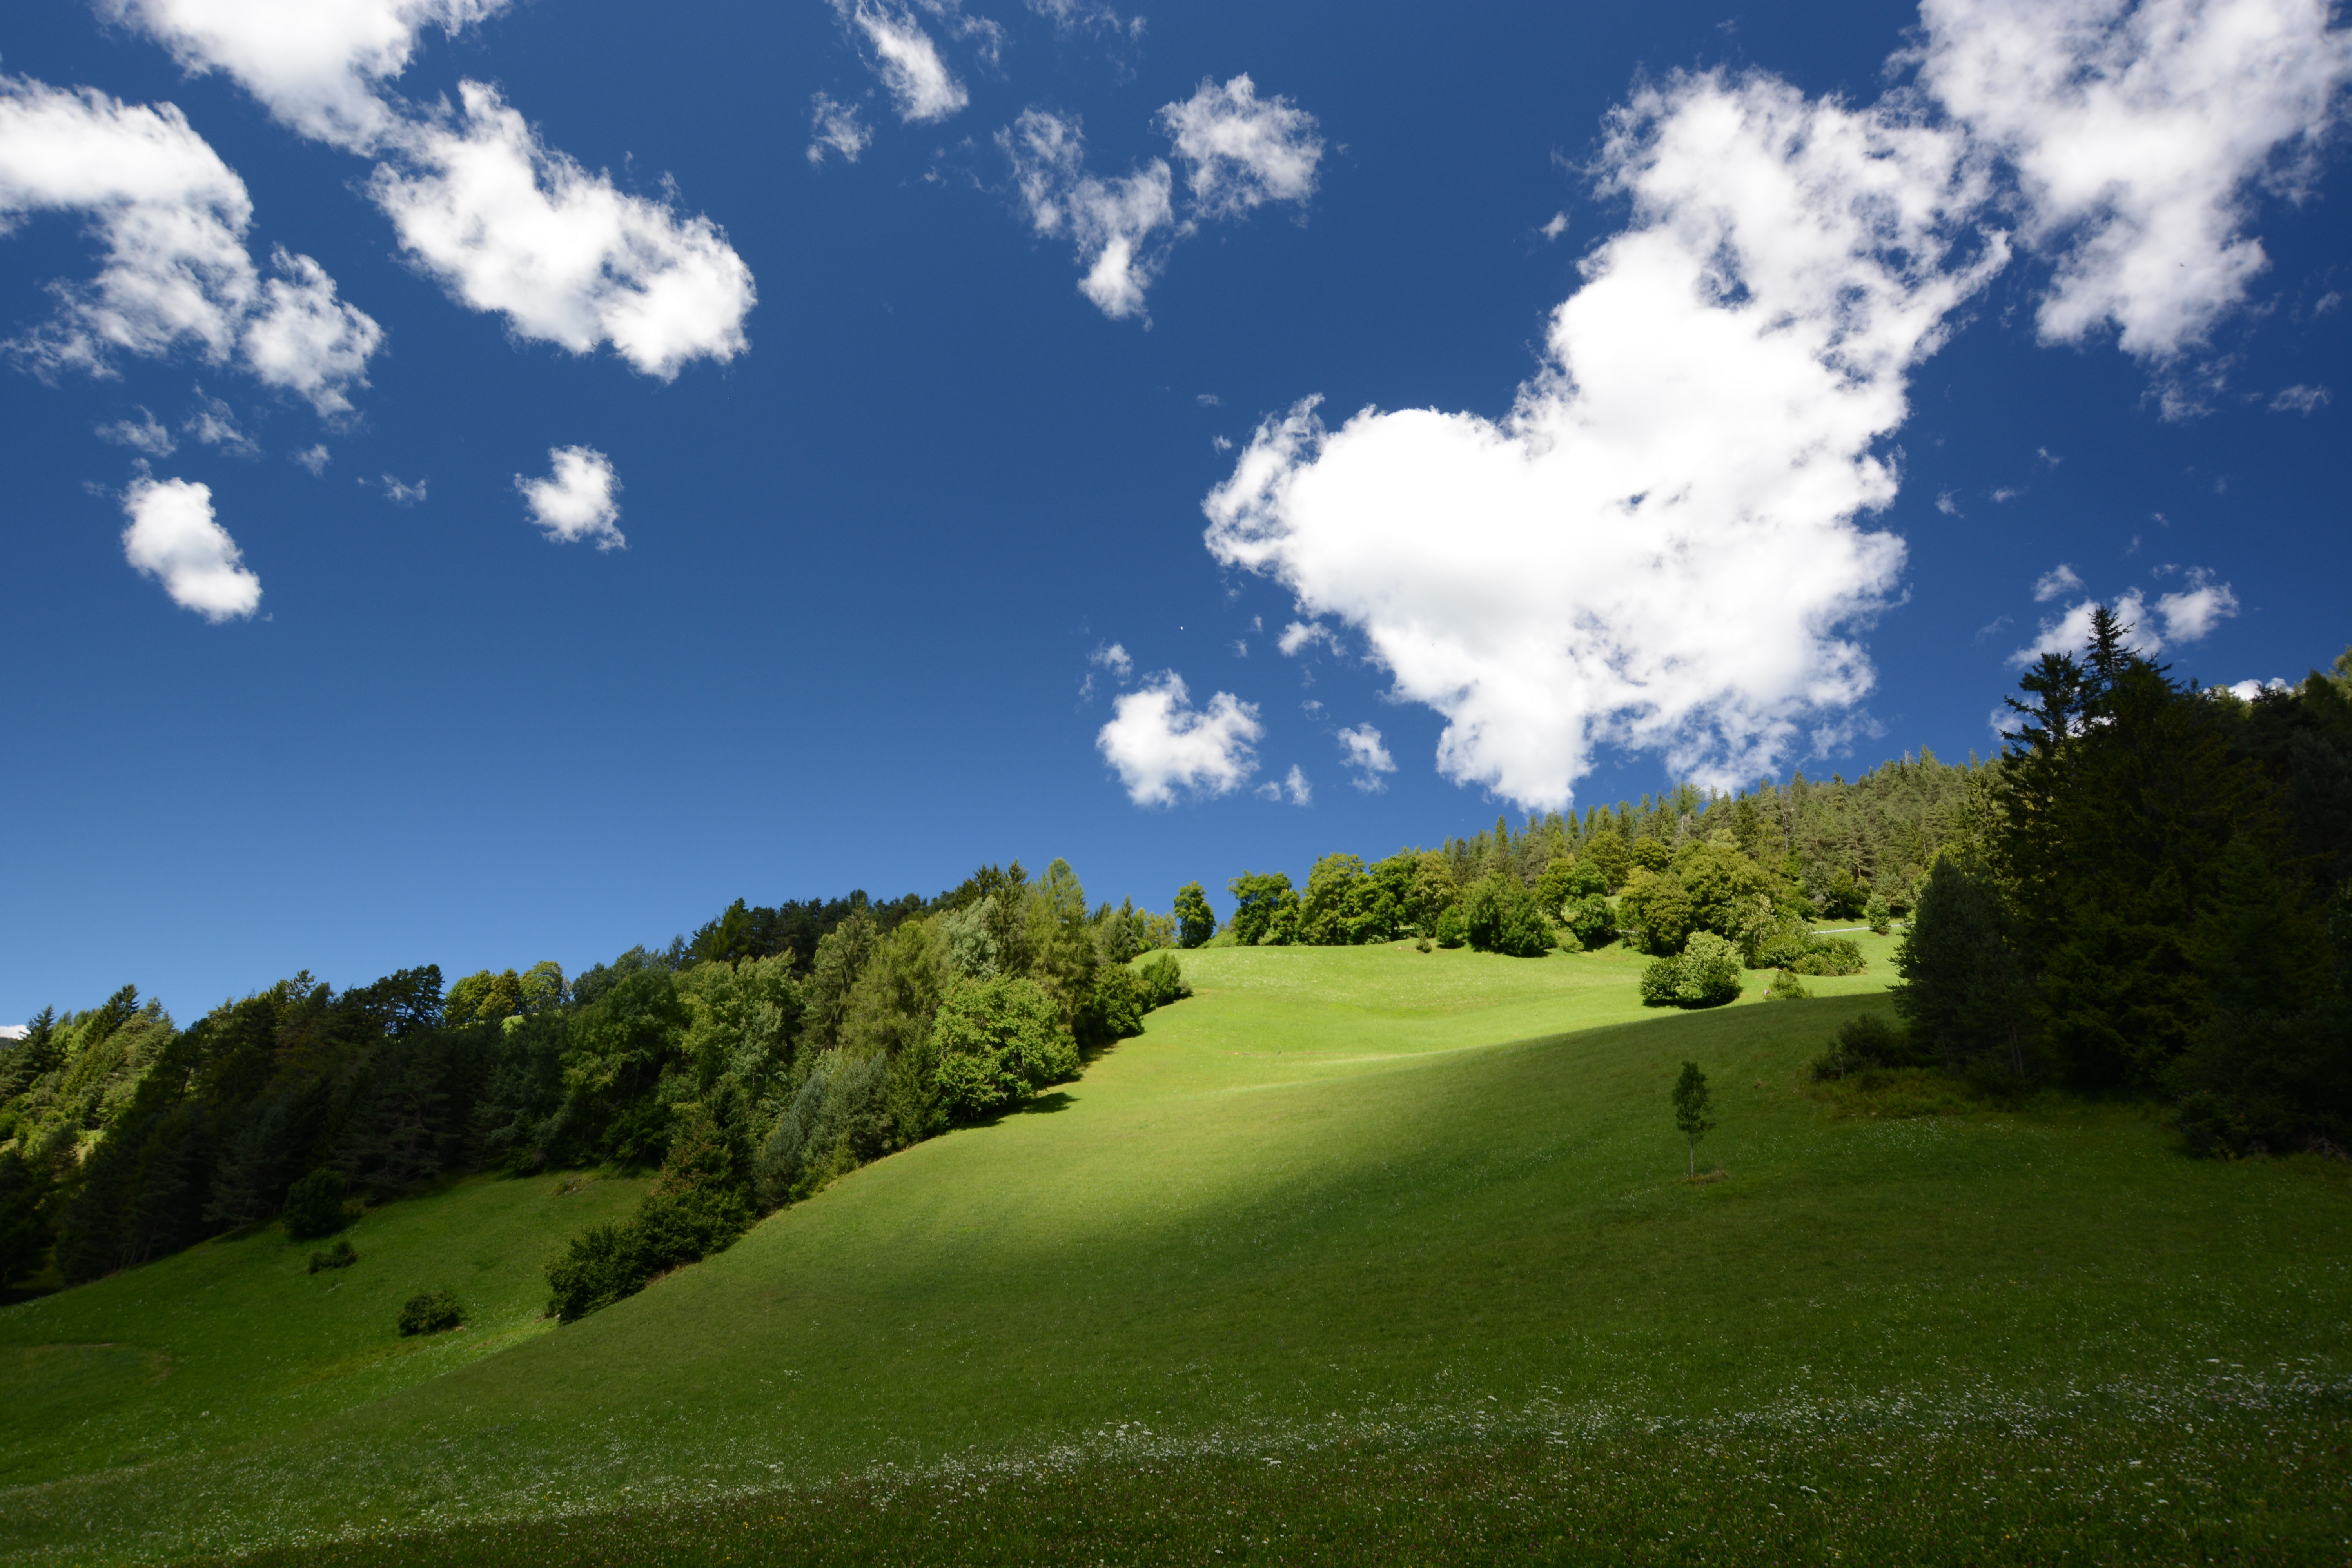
x=1357 y=1254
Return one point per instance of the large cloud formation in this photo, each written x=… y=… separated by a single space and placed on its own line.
x=2139 y=135
x=1656 y=546
x=507 y=225
x=1664 y=546
x=172 y=217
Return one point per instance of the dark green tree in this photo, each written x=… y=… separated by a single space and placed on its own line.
x=1195 y=921
x=1964 y=995
x=1692 y=1118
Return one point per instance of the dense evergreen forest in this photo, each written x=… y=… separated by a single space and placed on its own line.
x=2148 y=892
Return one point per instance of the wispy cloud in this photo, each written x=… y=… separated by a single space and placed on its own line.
x=1369 y=760
x=835 y=125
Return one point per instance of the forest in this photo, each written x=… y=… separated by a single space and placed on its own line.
x=2147 y=893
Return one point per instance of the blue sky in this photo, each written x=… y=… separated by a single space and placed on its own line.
x=617 y=500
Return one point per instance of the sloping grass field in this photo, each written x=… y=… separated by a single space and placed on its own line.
x=1359 y=1253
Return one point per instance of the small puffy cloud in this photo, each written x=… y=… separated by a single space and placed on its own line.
x=2247 y=690
x=511 y=226
x=176 y=274
x=145 y=434
x=2300 y=400
x=1661 y=544
x=1555 y=228
x=1300 y=636
x=903 y=55
x=313 y=458
x=1293 y=783
x=400 y=493
x=1240 y=151
x=2139 y=134
x=2002 y=495
x=1112 y=222
x=2197 y=609
x=1369 y=759
x=301 y=338
x=2187 y=616
x=1947 y=504
x=2058 y=581
x=1111 y=657
x=174 y=539
x=316 y=65
x=214 y=423
x=1158 y=743
x=575 y=501
x=836 y=124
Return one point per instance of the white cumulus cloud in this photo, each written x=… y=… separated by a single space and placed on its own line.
x=511 y=226
x=2139 y=134
x=320 y=66
x=1112 y=222
x=1240 y=151
x=575 y=501
x=174 y=539
x=1114 y=659
x=1661 y=544
x=172 y=217
x=1361 y=747
x=1158 y=743
x=2056 y=583
x=2197 y=609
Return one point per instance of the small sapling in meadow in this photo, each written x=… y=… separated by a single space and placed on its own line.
x=1691 y=1117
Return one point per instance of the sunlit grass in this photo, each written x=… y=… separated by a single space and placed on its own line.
x=1382 y=1217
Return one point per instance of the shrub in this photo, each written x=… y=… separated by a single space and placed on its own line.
x=999 y=1040
x=597 y=1269
x=1592 y=921
x=1162 y=976
x=314 y=1206
x=1785 y=987
x=1113 y=1007
x=1879 y=917
x=1662 y=983
x=1501 y=916
x=339 y=1255
x=430 y=1314
x=1710 y=972
x=1828 y=955
x=1871 y=1041
x=1450 y=932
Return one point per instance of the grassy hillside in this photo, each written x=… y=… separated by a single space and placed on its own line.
x=1410 y=1223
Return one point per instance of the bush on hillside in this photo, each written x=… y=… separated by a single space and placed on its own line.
x=1501 y=916
x=434 y=1311
x=1591 y=921
x=999 y=1040
x=314 y=1206
x=1827 y=955
x=1871 y=1041
x=1162 y=976
x=1705 y=973
x=1785 y=987
x=339 y=1255
x=1449 y=930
